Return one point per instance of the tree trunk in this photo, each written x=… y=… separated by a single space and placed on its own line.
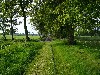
x=4 y=37
x=25 y=27
x=11 y=29
x=40 y=34
x=3 y=29
x=12 y=37
x=22 y=4
x=71 y=36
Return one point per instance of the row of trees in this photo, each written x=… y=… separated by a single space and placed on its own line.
x=64 y=18
x=9 y=11
x=56 y=18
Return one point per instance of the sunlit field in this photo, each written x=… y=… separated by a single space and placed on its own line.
x=20 y=37
x=63 y=59
x=50 y=57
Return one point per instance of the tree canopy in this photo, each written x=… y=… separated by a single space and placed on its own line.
x=56 y=18
x=62 y=18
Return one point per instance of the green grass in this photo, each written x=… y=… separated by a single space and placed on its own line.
x=20 y=37
x=15 y=56
x=51 y=58
x=76 y=60
x=43 y=62
x=81 y=59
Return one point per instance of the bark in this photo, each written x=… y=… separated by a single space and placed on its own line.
x=25 y=27
x=40 y=34
x=24 y=15
x=12 y=37
x=3 y=29
x=71 y=40
x=4 y=36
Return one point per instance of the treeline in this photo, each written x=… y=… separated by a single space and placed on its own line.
x=56 y=18
x=9 y=11
x=66 y=18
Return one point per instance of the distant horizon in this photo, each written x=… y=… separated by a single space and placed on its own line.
x=24 y=33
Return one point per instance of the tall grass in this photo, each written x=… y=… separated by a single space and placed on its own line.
x=15 y=56
x=76 y=60
x=80 y=59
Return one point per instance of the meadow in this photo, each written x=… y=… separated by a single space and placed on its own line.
x=20 y=37
x=50 y=57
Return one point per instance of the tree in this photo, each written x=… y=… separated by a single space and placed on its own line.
x=3 y=25
x=11 y=9
x=3 y=19
x=11 y=12
x=52 y=16
x=60 y=17
x=24 y=4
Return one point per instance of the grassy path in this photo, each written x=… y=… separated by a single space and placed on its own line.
x=55 y=58
x=43 y=63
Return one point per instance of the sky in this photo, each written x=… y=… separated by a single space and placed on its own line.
x=29 y=27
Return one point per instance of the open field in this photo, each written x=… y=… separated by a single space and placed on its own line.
x=20 y=37
x=88 y=38
x=50 y=58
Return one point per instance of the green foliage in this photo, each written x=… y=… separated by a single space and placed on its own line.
x=14 y=56
x=9 y=13
x=62 y=18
